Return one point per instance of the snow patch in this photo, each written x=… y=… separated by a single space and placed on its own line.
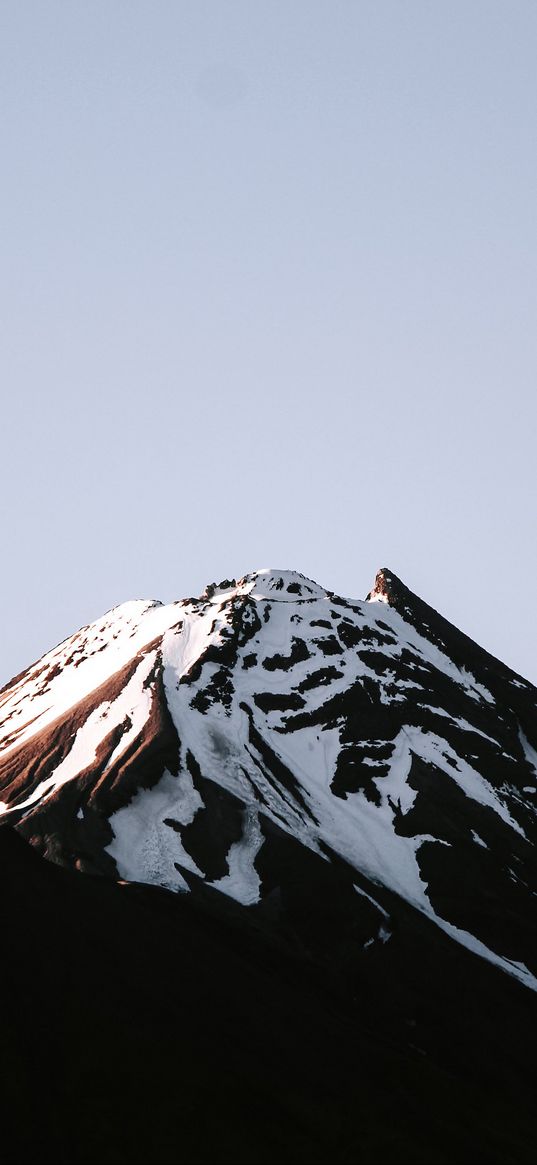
x=243 y=882
x=373 y=901
x=144 y=848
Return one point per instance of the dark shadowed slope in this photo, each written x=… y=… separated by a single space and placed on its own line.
x=140 y=1026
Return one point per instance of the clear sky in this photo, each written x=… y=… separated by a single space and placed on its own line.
x=268 y=297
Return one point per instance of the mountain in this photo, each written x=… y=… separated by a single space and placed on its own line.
x=342 y=796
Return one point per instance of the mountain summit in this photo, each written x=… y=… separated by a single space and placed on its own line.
x=276 y=743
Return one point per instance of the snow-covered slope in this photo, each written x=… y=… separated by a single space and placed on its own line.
x=186 y=744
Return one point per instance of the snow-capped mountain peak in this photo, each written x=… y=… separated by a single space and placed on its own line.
x=185 y=744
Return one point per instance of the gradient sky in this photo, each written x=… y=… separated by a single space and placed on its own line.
x=268 y=298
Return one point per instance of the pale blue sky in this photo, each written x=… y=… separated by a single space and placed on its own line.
x=268 y=297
